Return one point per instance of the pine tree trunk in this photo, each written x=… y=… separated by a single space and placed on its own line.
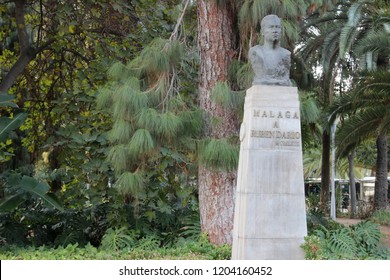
x=325 y=172
x=216 y=45
x=381 y=185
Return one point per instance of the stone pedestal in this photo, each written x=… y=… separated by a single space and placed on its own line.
x=270 y=215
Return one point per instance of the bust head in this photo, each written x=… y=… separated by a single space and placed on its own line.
x=271 y=29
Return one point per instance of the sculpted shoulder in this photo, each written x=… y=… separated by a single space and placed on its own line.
x=285 y=52
x=254 y=51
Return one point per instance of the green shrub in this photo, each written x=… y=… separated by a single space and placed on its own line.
x=316 y=220
x=143 y=249
x=361 y=241
x=381 y=217
x=116 y=239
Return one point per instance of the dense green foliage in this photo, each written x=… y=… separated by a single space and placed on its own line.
x=361 y=241
x=145 y=249
x=101 y=134
x=57 y=186
x=381 y=217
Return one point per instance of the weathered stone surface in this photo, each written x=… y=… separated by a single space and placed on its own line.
x=270 y=62
x=270 y=216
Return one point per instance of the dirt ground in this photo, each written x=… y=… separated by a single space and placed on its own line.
x=384 y=229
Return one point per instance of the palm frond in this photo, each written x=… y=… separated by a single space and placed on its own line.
x=312 y=163
x=330 y=50
x=375 y=42
x=355 y=12
x=309 y=109
x=347 y=37
x=357 y=127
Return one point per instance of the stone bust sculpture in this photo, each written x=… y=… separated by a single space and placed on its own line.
x=270 y=62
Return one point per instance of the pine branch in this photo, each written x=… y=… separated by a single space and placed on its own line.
x=178 y=23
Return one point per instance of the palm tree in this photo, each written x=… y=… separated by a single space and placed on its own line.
x=320 y=52
x=367 y=106
x=366 y=39
x=342 y=41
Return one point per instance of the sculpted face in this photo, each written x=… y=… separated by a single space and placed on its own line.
x=271 y=28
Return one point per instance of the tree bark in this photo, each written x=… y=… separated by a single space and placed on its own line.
x=381 y=184
x=217 y=49
x=325 y=172
x=351 y=165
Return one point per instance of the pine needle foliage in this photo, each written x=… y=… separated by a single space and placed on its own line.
x=130 y=183
x=119 y=157
x=104 y=98
x=219 y=154
x=241 y=74
x=222 y=95
x=118 y=71
x=141 y=143
x=121 y=131
x=128 y=100
x=148 y=118
x=170 y=126
x=151 y=113
x=159 y=57
x=192 y=122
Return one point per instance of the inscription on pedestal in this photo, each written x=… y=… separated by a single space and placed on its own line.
x=275 y=114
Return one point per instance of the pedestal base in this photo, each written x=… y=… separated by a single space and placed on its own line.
x=270 y=213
